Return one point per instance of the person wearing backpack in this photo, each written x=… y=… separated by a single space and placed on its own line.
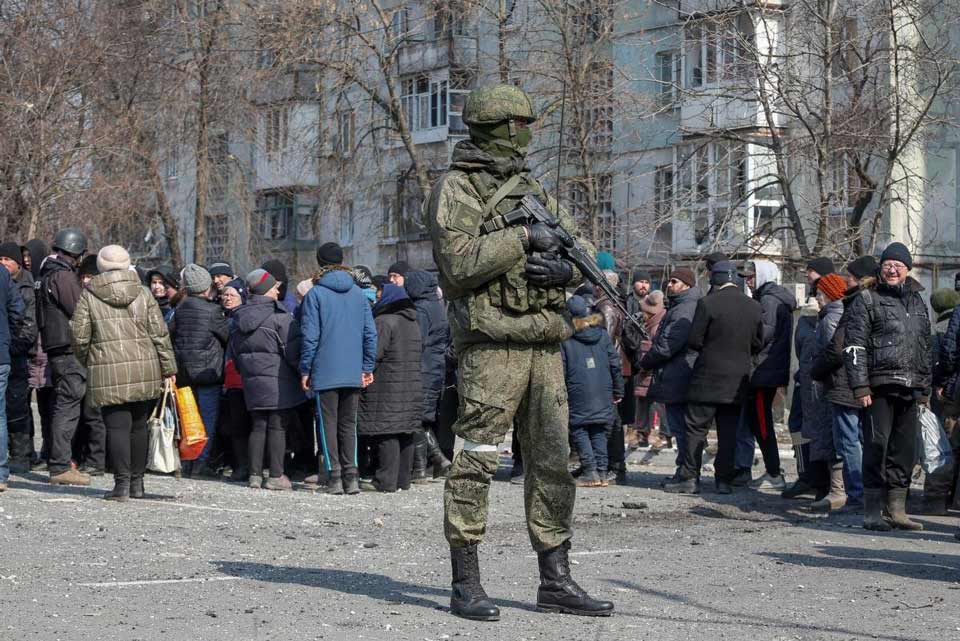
x=120 y=338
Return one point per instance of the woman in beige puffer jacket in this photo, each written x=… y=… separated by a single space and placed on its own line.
x=120 y=337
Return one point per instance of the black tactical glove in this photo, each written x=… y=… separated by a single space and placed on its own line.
x=548 y=271
x=541 y=238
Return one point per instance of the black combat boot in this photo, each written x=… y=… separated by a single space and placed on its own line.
x=468 y=599
x=559 y=592
x=435 y=456
x=419 y=473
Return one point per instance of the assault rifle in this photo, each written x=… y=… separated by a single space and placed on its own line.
x=531 y=211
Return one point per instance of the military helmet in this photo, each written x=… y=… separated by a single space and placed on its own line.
x=71 y=241
x=497 y=103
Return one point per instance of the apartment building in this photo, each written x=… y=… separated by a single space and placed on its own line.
x=679 y=146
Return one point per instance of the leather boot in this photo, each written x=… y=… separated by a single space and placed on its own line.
x=136 y=487
x=334 y=483
x=21 y=452
x=468 y=598
x=434 y=455
x=121 y=490
x=419 y=473
x=897 y=510
x=351 y=483
x=873 y=510
x=558 y=591
x=836 y=498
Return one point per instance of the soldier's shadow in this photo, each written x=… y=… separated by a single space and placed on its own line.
x=375 y=586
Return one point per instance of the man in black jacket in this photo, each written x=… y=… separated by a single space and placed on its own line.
x=668 y=357
x=887 y=358
x=727 y=331
x=57 y=297
x=23 y=344
x=773 y=366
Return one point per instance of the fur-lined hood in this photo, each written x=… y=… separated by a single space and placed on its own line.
x=584 y=322
x=326 y=269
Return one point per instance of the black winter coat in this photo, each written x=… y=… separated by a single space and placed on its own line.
x=393 y=403
x=265 y=347
x=23 y=340
x=199 y=332
x=887 y=339
x=668 y=357
x=828 y=367
x=57 y=297
x=727 y=331
x=947 y=372
x=593 y=371
x=773 y=362
x=434 y=334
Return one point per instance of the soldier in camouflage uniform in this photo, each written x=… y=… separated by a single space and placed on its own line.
x=505 y=287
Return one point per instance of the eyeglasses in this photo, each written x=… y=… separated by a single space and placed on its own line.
x=893 y=266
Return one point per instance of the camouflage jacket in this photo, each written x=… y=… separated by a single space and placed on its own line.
x=482 y=274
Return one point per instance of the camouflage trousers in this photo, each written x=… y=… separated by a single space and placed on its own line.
x=498 y=382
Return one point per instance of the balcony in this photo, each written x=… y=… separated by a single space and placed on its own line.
x=689 y=8
x=715 y=108
x=424 y=55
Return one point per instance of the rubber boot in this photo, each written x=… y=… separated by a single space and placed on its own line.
x=558 y=591
x=873 y=510
x=419 y=473
x=836 y=498
x=468 y=599
x=897 y=510
x=434 y=455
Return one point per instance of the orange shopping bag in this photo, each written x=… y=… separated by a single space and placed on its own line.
x=193 y=437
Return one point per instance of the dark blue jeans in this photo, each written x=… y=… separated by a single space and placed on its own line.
x=208 y=403
x=590 y=442
x=846 y=440
x=677 y=426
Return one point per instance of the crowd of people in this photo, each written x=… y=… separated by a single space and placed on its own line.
x=335 y=381
x=346 y=381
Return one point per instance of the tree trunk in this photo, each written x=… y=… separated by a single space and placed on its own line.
x=170 y=229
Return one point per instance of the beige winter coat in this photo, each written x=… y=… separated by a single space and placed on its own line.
x=120 y=337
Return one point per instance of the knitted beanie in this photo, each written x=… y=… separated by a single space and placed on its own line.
x=113 y=258
x=833 y=286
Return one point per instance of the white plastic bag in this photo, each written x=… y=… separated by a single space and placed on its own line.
x=162 y=455
x=934 y=446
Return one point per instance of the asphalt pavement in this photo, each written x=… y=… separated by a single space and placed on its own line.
x=207 y=560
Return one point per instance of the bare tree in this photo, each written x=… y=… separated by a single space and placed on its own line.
x=819 y=108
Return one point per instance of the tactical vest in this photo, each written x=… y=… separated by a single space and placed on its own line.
x=512 y=291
